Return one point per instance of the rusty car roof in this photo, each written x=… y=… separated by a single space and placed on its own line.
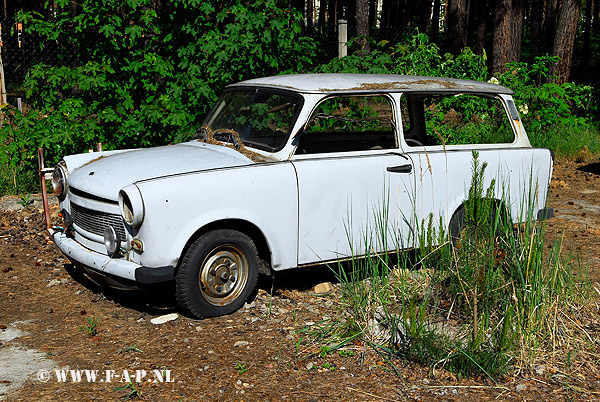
x=333 y=83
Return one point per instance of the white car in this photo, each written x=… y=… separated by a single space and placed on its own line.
x=290 y=171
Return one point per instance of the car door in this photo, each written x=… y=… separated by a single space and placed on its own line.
x=354 y=184
x=442 y=131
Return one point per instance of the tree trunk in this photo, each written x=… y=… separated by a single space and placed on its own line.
x=550 y=24
x=587 y=34
x=537 y=16
x=480 y=26
x=457 y=25
x=332 y=15
x=596 y=12
x=373 y=13
x=362 y=24
x=424 y=15
x=310 y=8
x=434 y=30
x=502 y=28
x=322 y=12
x=564 y=41
x=516 y=29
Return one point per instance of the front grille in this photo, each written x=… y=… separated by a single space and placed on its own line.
x=95 y=222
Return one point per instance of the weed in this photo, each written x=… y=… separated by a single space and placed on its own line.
x=346 y=353
x=128 y=349
x=132 y=391
x=241 y=368
x=91 y=328
x=26 y=201
x=328 y=366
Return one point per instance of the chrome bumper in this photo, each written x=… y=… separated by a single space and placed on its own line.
x=100 y=262
x=103 y=264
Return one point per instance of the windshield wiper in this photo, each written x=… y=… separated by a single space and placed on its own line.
x=229 y=137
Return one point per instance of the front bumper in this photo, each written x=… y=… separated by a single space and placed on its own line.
x=111 y=266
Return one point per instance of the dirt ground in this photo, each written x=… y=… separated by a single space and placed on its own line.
x=250 y=355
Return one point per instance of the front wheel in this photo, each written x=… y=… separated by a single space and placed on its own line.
x=218 y=273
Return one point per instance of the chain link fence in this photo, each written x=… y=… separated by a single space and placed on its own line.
x=20 y=51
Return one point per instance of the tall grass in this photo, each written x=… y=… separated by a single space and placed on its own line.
x=568 y=141
x=495 y=298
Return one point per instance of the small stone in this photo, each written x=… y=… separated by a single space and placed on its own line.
x=186 y=340
x=53 y=282
x=64 y=281
x=323 y=288
x=198 y=328
x=78 y=292
x=425 y=381
x=241 y=344
x=521 y=388
x=539 y=369
x=164 y=318
x=310 y=366
x=141 y=320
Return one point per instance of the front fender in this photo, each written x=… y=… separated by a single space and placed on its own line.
x=176 y=207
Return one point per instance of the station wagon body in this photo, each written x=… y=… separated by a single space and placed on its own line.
x=291 y=171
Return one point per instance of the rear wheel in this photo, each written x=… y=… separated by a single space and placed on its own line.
x=218 y=273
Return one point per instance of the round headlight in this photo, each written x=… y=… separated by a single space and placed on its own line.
x=59 y=181
x=132 y=205
x=111 y=241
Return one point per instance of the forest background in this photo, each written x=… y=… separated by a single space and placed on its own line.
x=140 y=73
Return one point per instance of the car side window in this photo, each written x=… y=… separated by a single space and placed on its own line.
x=454 y=119
x=349 y=123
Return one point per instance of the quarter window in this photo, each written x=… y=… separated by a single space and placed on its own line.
x=454 y=119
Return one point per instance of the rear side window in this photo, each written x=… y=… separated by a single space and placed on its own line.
x=454 y=119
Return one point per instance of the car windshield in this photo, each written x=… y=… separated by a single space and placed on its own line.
x=256 y=118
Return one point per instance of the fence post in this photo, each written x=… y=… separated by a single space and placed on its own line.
x=342 y=38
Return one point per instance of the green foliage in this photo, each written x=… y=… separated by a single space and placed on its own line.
x=544 y=104
x=91 y=328
x=145 y=73
x=241 y=368
x=546 y=108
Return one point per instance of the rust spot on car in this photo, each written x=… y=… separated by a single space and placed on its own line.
x=94 y=160
x=386 y=86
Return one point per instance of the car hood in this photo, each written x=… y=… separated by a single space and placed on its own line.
x=110 y=172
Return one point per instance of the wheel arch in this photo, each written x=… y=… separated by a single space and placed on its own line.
x=454 y=222
x=243 y=226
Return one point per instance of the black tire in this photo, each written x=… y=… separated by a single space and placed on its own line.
x=217 y=274
x=456 y=227
x=458 y=224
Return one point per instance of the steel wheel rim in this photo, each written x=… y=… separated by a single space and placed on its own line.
x=223 y=275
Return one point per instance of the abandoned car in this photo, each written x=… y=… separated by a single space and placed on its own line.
x=291 y=171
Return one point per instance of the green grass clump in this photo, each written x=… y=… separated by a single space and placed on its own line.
x=489 y=298
x=568 y=141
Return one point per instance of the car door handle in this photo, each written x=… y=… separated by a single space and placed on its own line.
x=400 y=169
